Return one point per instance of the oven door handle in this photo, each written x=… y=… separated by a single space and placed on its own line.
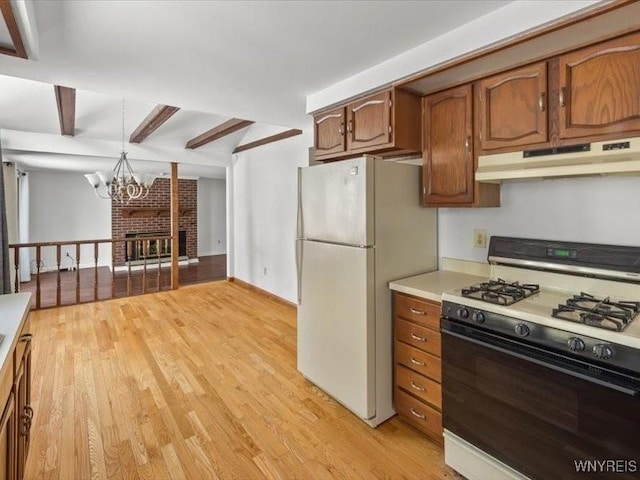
x=627 y=391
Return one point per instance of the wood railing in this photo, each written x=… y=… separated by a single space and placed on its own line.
x=93 y=281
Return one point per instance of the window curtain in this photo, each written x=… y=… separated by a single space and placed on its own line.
x=5 y=267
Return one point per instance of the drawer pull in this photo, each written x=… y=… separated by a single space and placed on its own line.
x=416 y=362
x=416 y=337
x=416 y=387
x=417 y=312
x=416 y=414
x=26 y=338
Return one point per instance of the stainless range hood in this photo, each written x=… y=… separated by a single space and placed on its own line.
x=598 y=158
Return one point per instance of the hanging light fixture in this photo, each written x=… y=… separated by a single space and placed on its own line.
x=121 y=184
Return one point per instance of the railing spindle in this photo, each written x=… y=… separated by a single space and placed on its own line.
x=58 y=279
x=130 y=245
x=38 y=262
x=77 y=273
x=145 y=252
x=159 y=267
x=113 y=270
x=95 y=270
x=16 y=261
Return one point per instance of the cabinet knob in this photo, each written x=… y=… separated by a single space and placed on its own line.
x=341 y=129
x=350 y=126
x=541 y=101
x=467 y=143
x=561 y=96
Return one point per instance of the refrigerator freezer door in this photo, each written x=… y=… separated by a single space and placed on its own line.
x=336 y=323
x=337 y=202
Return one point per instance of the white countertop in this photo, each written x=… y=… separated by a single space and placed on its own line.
x=432 y=285
x=14 y=309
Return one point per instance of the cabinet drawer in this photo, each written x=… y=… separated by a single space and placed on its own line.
x=423 y=417
x=417 y=336
x=418 y=361
x=418 y=311
x=421 y=387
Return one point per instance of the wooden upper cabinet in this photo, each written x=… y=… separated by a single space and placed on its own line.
x=329 y=132
x=448 y=163
x=369 y=122
x=386 y=123
x=600 y=89
x=512 y=108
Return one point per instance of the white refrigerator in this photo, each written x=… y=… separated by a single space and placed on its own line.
x=360 y=226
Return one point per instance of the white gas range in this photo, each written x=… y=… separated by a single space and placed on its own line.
x=543 y=361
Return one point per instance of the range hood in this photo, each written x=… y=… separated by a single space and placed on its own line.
x=598 y=158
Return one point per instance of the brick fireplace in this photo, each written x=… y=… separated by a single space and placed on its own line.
x=150 y=216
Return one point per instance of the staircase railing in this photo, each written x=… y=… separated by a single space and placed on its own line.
x=91 y=279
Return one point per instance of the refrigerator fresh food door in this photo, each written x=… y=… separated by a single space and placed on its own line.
x=336 y=202
x=336 y=323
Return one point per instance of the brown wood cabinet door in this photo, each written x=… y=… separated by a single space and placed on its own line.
x=8 y=440
x=329 y=132
x=369 y=122
x=24 y=411
x=448 y=147
x=513 y=108
x=600 y=89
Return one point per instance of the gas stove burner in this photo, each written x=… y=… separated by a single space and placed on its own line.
x=601 y=313
x=500 y=292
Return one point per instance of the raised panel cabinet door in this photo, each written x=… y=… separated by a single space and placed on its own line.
x=8 y=440
x=329 y=133
x=448 y=147
x=23 y=409
x=600 y=89
x=513 y=108
x=369 y=122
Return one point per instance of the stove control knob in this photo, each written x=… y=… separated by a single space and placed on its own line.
x=463 y=312
x=575 y=344
x=522 y=330
x=478 y=317
x=603 y=351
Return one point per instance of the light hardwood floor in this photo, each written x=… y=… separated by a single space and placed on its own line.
x=198 y=383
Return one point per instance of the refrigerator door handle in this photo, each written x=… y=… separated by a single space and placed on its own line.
x=299 y=245
x=299 y=237
x=299 y=224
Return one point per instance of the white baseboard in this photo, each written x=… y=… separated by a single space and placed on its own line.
x=209 y=254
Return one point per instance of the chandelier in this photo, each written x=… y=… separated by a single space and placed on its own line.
x=121 y=184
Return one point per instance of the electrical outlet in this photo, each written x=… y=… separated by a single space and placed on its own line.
x=480 y=238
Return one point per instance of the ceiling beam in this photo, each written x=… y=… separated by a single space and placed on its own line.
x=220 y=131
x=157 y=117
x=271 y=139
x=14 y=31
x=66 y=100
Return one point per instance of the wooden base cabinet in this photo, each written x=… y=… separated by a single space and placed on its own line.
x=417 y=368
x=17 y=416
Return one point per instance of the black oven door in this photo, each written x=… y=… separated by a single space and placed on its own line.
x=542 y=420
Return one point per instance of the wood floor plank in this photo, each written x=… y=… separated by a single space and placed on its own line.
x=197 y=383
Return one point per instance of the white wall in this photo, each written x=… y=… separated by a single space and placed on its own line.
x=63 y=207
x=513 y=18
x=265 y=183
x=212 y=227
x=595 y=210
